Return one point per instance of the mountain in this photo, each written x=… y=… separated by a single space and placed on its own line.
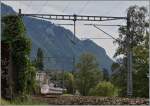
x=58 y=44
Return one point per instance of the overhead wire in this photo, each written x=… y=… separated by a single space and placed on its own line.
x=105 y=32
x=82 y=9
x=65 y=8
x=94 y=38
x=105 y=24
x=114 y=7
x=43 y=6
x=28 y=5
x=95 y=26
x=49 y=58
x=84 y=6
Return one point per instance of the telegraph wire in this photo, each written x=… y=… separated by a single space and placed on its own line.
x=105 y=32
x=46 y=2
x=82 y=9
x=114 y=7
x=66 y=7
x=105 y=25
x=93 y=38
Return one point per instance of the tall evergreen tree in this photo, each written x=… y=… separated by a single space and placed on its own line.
x=39 y=59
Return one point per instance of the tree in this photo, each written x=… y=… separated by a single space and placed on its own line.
x=69 y=82
x=119 y=77
x=88 y=74
x=39 y=59
x=137 y=29
x=14 y=33
x=104 y=89
x=105 y=75
x=31 y=82
x=141 y=66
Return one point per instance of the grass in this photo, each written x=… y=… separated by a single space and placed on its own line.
x=19 y=101
x=67 y=94
x=4 y=102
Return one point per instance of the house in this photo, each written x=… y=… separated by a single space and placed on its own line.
x=47 y=86
x=50 y=89
x=42 y=77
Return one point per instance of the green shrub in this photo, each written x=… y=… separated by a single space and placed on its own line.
x=4 y=102
x=69 y=82
x=104 y=89
x=23 y=100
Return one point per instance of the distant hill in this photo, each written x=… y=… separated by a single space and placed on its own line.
x=57 y=44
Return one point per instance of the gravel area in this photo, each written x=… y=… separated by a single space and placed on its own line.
x=91 y=100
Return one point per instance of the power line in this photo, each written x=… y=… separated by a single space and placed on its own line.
x=42 y=6
x=52 y=57
x=94 y=24
x=82 y=9
x=108 y=12
x=30 y=5
x=94 y=38
x=104 y=25
x=76 y=18
x=65 y=24
x=66 y=7
x=105 y=32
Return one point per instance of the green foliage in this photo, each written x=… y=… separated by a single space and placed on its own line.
x=31 y=82
x=23 y=71
x=119 y=80
x=24 y=100
x=4 y=102
x=119 y=76
x=137 y=18
x=21 y=45
x=139 y=45
x=13 y=27
x=69 y=82
x=39 y=59
x=105 y=75
x=104 y=89
x=141 y=66
x=114 y=66
x=88 y=75
x=136 y=31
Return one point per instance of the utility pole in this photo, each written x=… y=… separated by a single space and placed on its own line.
x=63 y=78
x=19 y=12
x=129 y=60
x=74 y=20
x=73 y=62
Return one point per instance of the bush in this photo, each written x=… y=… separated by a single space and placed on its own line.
x=4 y=102
x=23 y=100
x=69 y=82
x=104 y=89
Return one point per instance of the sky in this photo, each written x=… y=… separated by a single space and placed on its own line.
x=97 y=8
